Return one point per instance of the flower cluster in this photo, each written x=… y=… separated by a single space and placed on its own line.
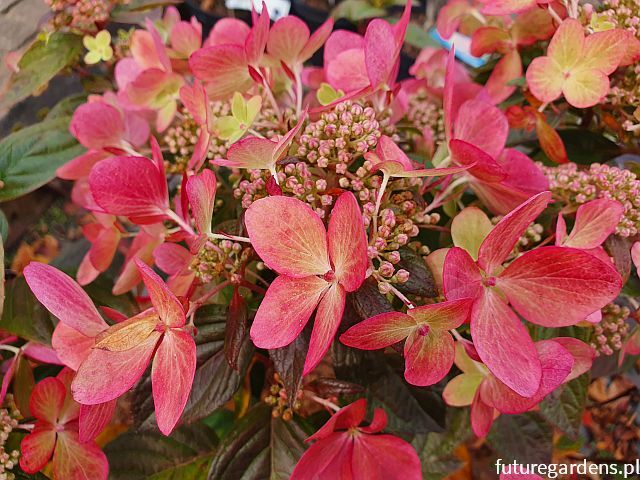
x=8 y=459
x=81 y=15
x=575 y=187
x=611 y=332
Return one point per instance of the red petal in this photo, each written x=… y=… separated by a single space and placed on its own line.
x=500 y=241
x=47 y=399
x=74 y=460
x=558 y=286
x=169 y=308
x=504 y=344
x=64 y=298
x=70 y=345
x=288 y=236
x=379 y=331
x=287 y=38
x=320 y=455
x=428 y=358
x=93 y=419
x=201 y=190
x=347 y=417
x=174 y=367
x=583 y=355
x=285 y=310
x=36 y=448
x=385 y=457
x=325 y=326
x=348 y=242
x=106 y=375
x=97 y=125
x=481 y=416
x=224 y=67
x=474 y=119
x=461 y=276
x=444 y=315
x=595 y=221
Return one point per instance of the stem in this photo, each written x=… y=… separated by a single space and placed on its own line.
x=10 y=348
x=200 y=301
x=224 y=236
x=176 y=218
x=254 y=133
x=325 y=403
x=383 y=186
x=298 y=94
x=554 y=15
x=396 y=292
x=253 y=288
x=544 y=105
x=457 y=335
x=271 y=98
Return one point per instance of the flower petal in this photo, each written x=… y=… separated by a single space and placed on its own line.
x=461 y=276
x=428 y=358
x=174 y=367
x=481 y=416
x=169 y=308
x=252 y=153
x=288 y=236
x=504 y=344
x=36 y=449
x=201 y=190
x=385 y=457
x=348 y=242
x=349 y=416
x=499 y=243
x=583 y=355
x=469 y=228
x=47 y=399
x=460 y=391
x=559 y=286
x=74 y=460
x=444 y=315
x=64 y=298
x=285 y=310
x=325 y=326
x=545 y=79
x=595 y=221
x=106 y=375
x=71 y=346
x=93 y=419
x=474 y=119
x=379 y=331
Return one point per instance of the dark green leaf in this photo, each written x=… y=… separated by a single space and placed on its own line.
x=586 y=147
x=4 y=232
x=23 y=383
x=289 y=363
x=20 y=475
x=215 y=381
x=29 y=158
x=525 y=439
x=332 y=387
x=419 y=37
x=436 y=450
x=367 y=301
x=23 y=315
x=259 y=447
x=420 y=279
x=564 y=407
x=237 y=330
x=619 y=249
x=66 y=106
x=185 y=455
x=44 y=59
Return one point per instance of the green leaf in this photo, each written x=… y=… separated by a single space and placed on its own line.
x=259 y=447
x=421 y=280
x=436 y=450
x=586 y=147
x=525 y=439
x=44 y=59
x=326 y=94
x=356 y=10
x=23 y=383
x=564 y=407
x=4 y=233
x=66 y=106
x=215 y=382
x=418 y=37
x=289 y=363
x=29 y=158
x=23 y=315
x=185 y=455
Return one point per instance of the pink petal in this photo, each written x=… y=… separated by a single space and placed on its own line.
x=347 y=417
x=174 y=367
x=288 y=236
x=348 y=242
x=385 y=457
x=447 y=92
x=380 y=53
x=500 y=241
x=549 y=280
x=41 y=353
x=444 y=315
x=93 y=419
x=450 y=16
x=595 y=221
x=287 y=38
x=81 y=166
x=256 y=41
x=556 y=364
x=194 y=98
x=71 y=346
x=185 y=39
x=317 y=40
x=169 y=308
x=172 y=258
x=47 y=399
x=474 y=119
x=286 y=309
x=522 y=172
x=144 y=51
x=347 y=71
x=252 y=153
x=224 y=67
x=129 y=186
x=509 y=68
x=485 y=168
x=507 y=7
x=340 y=41
x=481 y=416
x=428 y=358
x=97 y=125
x=228 y=31
x=387 y=150
x=379 y=331
x=74 y=460
x=64 y=298
x=583 y=355
x=325 y=326
x=106 y=375
x=461 y=276
x=36 y=448
x=201 y=190
x=504 y=344
x=378 y=423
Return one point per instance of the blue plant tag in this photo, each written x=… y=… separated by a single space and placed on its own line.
x=463 y=48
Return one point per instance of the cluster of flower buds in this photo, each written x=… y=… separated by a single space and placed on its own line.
x=82 y=15
x=427 y=114
x=575 y=187
x=609 y=335
x=182 y=136
x=622 y=14
x=344 y=133
x=8 y=421
x=279 y=400
x=219 y=258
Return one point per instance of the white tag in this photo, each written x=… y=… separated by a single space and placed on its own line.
x=276 y=8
